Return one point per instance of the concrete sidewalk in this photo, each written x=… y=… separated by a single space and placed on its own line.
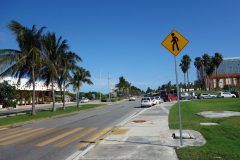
x=139 y=138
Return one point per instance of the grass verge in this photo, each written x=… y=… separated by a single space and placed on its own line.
x=46 y=114
x=222 y=140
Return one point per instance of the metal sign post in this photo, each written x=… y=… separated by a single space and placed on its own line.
x=179 y=111
x=174 y=43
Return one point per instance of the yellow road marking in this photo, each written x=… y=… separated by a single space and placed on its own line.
x=116 y=128
x=8 y=130
x=58 y=137
x=14 y=132
x=41 y=137
x=16 y=135
x=28 y=136
x=119 y=132
x=92 y=138
x=63 y=143
x=100 y=139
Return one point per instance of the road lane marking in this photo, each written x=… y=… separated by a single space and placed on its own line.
x=14 y=132
x=93 y=137
x=41 y=137
x=9 y=130
x=58 y=137
x=63 y=143
x=16 y=135
x=28 y=136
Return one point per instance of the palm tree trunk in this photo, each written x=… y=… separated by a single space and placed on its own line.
x=33 y=94
x=185 y=81
x=64 y=96
x=216 y=80
x=199 y=85
x=53 y=98
x=77 y=98
x=205 y=79
x=188 y=80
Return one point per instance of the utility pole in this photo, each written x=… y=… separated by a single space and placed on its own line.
x=109 y=86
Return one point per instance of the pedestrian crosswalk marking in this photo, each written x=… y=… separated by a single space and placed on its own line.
x=58 y=137
x=8 y=130
x=16 y=135
x=14 y=132
x=41 y=137
x=93 y=137
x=74 y=137
x=25 y=137
x=19 y=134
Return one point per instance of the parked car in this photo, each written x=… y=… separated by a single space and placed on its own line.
x=169 y=97
x=205 y=96
x=132 y=98
x=154 y=100
x=159 y=99
x=184 y=96
x=146 y=101
x=84 y=100
x=226 y=95
x=237 y=93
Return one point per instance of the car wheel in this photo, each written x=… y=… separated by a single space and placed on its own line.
x=233 y=96
x=201 y=97
x=222 y=97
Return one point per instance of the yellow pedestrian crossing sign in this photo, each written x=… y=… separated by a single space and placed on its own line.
x=175 y=42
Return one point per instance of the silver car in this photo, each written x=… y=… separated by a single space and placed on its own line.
x=146 y=101
x=206 y=96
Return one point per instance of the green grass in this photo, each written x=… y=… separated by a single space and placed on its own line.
x=46 y=114
x=222 y=140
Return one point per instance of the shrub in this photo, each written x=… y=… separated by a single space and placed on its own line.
x=11 y=104
x=114 y=100
x=104 y=100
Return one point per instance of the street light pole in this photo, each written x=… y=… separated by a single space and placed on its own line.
x=109 y=86
x=100 y=85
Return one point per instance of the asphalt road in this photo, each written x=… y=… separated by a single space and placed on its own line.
x=64 y=135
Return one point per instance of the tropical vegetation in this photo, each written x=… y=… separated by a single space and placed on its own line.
x=40 y=56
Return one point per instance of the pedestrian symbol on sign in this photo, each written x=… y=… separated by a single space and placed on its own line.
x=174 y=40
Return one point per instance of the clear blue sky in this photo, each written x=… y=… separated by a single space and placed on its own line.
x=123 y=37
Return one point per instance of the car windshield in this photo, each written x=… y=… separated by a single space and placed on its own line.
x=152 y=97
x=145 y=98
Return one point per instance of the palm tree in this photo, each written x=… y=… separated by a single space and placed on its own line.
x=198 y=64
x=80 y=75
x=206 y=59
x=217 y=60
x=209 y=71
x=184 y=69
x=122 y=84
x=67 y=62
x=53 y=49
x=186 y=60
x=27 y=61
